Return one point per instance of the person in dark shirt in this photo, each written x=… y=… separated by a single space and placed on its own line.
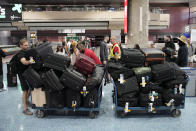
x=2 y=54
x=23 y=63
x=182 y=59
x=169 y=43
x=104 y=55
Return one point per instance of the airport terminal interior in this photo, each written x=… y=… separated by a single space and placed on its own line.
x=102 y=65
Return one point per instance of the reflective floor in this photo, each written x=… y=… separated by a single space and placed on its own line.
x=12 y=118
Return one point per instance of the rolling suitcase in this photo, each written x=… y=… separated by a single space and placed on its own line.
x=32 y=77
x=169 y=94
x=85 y=64
x=178 y=72
x=151 y=87
x=133 y=102
x=175 y=83
x=51 y=81
x=73 y=99
x=38 y=97
x=162 y=72
x=11 y=80
x=91 y=100
x=132 y=57
x=73 y=79
x=153 y=56
x=57 y=62
x=142 y=72
x=129 y=86
x=127 y=73
x=144 y=100
x=115 y=65
x=96 y=78
x=55 y=99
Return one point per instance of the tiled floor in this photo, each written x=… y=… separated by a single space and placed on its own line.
x=12 y=119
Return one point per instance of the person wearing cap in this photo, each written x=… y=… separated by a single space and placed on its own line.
x=115 y=52
x=182 y=59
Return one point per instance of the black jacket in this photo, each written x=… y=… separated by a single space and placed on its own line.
x=182 y=59
x=170 y=44
x=2 y=54
x=103 y=51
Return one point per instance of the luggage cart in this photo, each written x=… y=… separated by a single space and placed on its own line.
x=41 y=111
x=123 y=111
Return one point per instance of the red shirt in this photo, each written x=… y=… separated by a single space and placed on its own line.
x=116 y=49
x=92 y=55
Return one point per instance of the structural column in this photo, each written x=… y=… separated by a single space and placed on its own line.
x=138 y=19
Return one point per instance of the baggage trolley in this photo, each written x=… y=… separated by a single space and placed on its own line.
x=41 y=111
x=123 y=111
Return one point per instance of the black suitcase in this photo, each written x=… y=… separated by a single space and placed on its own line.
x=11 y=80
x=73 y=79
x=129 y=86
x=175 y=83
x=133 y=102
x=39 y=54
x=91 y=100
x=51 y=81
x=73 y=99
x=142 y=72
x=115 y=65
x=151 y=87
x=169 y=95
x=96 y=78
x=32 y=77
x=127 y=73
x=55 y=99
x=162 y=72
x=144 y=100
x=132 y=57
x=178 y=72
x=57 y=62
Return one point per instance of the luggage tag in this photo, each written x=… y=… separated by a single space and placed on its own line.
x=143 y=84
x=170 y=102
x=175 y=90
x=74 y=103
x=126 y=109
x=84 y=92
x=181 y=89
x=151 y=108
x=122 y=79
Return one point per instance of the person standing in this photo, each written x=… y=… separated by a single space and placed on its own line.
x=23 y=64
x=2 y=54
x=115 y=51
x=191 y=50
x=182 y=59
x=104 y=55
x=169 y=45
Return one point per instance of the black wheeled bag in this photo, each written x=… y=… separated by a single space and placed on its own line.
x=178 y=72
x=32 y=77
x=57 y=62
x=91 y=100
x=144 y=100
x=132 y=57
x=175 y=83
x=127 y=73
x=73 y=79
x=55 y=99
x=51 y=81
x=11 y=80
x=96 y=78
x=73 y=99
x=114 y=66
x=151 y=87
x=129 y=86
x=169 y=95
x=133 y=102
x=142 y=72
x=162 y=72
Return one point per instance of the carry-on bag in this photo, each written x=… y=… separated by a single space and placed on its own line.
x=85 y=64
x=55 y=99
x=142 y=72
x=91 y=100
x=145 y=99
x=11 y=80
x=51 y=81
x=132 y=102
x=38 y=97
x=151 y=87
x=73 y=99
x=57 y=62
x=73 y=79
x=127 y=73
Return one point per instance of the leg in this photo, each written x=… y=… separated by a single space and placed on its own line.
x=1 y=82
x=24 y=99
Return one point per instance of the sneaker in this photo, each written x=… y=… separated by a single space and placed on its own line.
x=27 y=112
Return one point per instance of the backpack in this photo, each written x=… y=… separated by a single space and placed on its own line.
x=14 y=68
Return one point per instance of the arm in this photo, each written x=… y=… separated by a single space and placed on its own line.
x=25 y=62
x=95 y=58
x=102 y=52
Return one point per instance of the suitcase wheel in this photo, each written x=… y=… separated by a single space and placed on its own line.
x=92 y=115
x=175 y=113
x=40 y=113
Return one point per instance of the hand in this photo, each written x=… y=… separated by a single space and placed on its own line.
x=104 y=62
x=4 y=50
x=32 y=61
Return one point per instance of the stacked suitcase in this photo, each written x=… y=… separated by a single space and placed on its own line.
x=151 y=84
x=57 y=85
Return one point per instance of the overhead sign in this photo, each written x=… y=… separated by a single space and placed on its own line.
x=11 y=12
x=125 y=16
